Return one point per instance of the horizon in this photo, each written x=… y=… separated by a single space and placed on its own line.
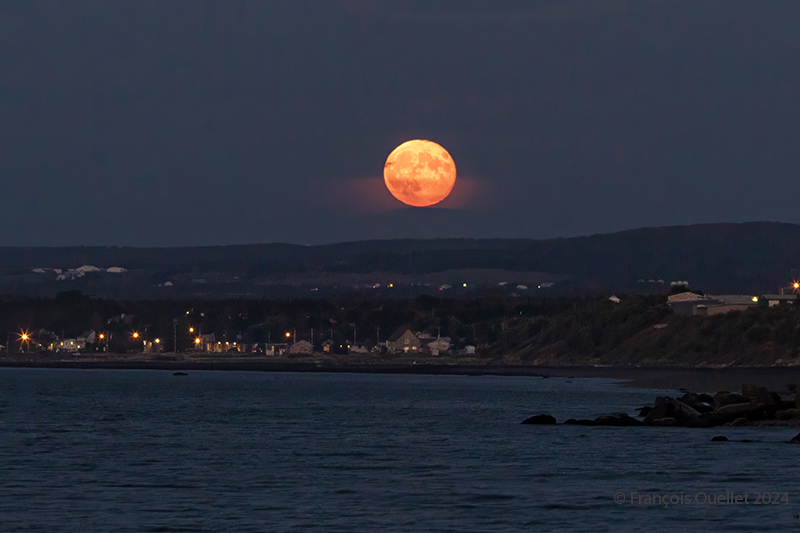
x=443 y=238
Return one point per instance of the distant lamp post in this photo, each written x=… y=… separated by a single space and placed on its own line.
x=197 y=341
x=24 y=338
x=135 y=334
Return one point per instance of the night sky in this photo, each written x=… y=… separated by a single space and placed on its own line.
x=170 y=123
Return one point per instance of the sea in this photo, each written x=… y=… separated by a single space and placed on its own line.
x=148 y=451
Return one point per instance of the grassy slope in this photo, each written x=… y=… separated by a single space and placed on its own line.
x=603 y=333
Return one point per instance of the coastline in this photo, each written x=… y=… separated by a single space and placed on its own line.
x=649 y=377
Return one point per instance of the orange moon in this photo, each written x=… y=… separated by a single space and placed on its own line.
x=419 y=173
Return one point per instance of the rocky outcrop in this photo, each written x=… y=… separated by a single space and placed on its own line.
x=540 y=420
x=756 y=406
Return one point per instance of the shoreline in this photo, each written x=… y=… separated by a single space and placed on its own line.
x=692 y=378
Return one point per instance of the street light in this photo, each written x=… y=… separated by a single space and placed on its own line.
x=135 y=334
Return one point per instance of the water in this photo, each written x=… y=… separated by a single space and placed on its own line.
x=234 y=451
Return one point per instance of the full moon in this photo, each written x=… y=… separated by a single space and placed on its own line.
x=419 y=173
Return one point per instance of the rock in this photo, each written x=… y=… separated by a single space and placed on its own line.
x=752 y=391
x=667 y=421
x=795 y=439
x=705 y=398
x=788 y=401
x=741 y=422
x=659 y=411
x=787 y=414
x=644 y=411
x=723 y=398
x=705 y=420
x=731 y=412
x=683 y=413
x=580 y=422
x=719 y=438
x=180 y=374
x=540 y=420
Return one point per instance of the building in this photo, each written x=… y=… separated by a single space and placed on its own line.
x=776 y=299
x=727 y=303
x=689 y=303
x=301 y=347
x=73 y=345
x=403 y=340
x=438 y=346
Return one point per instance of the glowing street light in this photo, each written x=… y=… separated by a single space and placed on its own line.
x=796 y=285
x=191 y=330
x=135 y=334
x=157 y=341
x=197 y=340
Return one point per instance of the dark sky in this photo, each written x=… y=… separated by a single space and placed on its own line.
x=154 y=123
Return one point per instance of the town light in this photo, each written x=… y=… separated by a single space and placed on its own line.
x=288 y=334
x=796 y=285
x=755 y=298
x=191 y=330
x=197 y=340
x=24 y=337
x=102 y=336
x=135 y=334
x=157 y=341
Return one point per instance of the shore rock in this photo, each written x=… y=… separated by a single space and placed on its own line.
x=795 y=439
x=540 y=420
x=579 y=422
x=719 y=438
x=724 y=398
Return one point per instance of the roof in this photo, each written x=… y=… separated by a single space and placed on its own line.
x=779 y=296
x=399 y=332
x=685 y=297
x=736 y=299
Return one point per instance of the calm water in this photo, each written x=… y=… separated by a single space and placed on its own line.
x=235 y=451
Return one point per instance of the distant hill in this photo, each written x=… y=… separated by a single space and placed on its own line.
x=721 y=258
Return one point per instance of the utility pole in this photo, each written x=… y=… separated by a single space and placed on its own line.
x=175 y=335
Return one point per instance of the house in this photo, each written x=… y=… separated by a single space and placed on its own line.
x=614 y=299
x=689 y=303
x=301 y=347
x=469 y=349
x=727 y=303
x=770 y=300
x=72 y=345
x=438 y=346
x=403 y=340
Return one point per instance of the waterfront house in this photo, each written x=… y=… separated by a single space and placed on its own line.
x=403 y=340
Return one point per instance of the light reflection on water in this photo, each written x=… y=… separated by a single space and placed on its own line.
x=92 y=450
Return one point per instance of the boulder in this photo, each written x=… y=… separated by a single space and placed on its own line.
x=579 y=422
x=705 y=398
x=683 y=413
x=705 y=420
x=731 y=412
x=540 y=420
x=659 y=411
x=667 y=421
x=723 y=398
x=787 y=414
x=644 y=411
x=719 y=438
x=795 y=439
x=752 y=391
